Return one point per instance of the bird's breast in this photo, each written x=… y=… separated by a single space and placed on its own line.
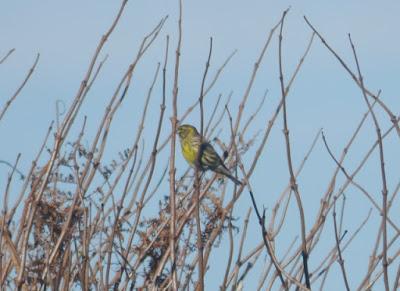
x=189 y=152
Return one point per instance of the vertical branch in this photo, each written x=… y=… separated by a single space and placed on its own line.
x=29 y=175
x=3 y=215
x=341 y=261
x=200 y=261
x=383 y=173
x=119 y=207
x=293 y=183
x=230 y=256
x=397 y=280
x=198 y=180
x=7 y=191
x=239 y=257
x=342 y=214
x=172 y=197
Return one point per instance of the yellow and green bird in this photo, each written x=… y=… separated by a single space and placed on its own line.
x=198 y=152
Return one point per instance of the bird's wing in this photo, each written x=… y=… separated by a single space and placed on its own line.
x=209 y=158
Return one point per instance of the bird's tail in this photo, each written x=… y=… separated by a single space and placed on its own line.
x=224 y=171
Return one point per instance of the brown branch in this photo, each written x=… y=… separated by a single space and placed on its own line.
x=252 y=116
x=168 y=138
x=12 y=212
x=275 y=275
x=7 y=190
x=392 y=116
x=325 y=205
x=210 y=86
x=58 y=143
x=3 y=222
x=365 y=284
x=66 y=226
x=253 y=76
x=261 y=221
x=293 y=183
x=71 y=114
x=383 y=173
x=342 y=214
x=114 y=104
x=198 y=181
x=119 y=209
x=241 y=245
x=220 y=117
x=174 y=122
x=151 y=165
x=230 y=253
x=256 y=157
x=397 y=280
x=275 y=230
x=332 y=254
x=183 y=220
x=358 y=186
x=215 y=107
x=99 y=142
x=279 y=269
x=377 y=276
x=341 y=261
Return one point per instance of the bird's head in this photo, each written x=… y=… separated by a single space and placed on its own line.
x=186 y=130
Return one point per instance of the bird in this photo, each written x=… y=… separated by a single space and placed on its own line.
x=201 y=154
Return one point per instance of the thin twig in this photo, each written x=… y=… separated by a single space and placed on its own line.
x=7 y=55
x=241 y=245
x=9 y=101
x=202 y=89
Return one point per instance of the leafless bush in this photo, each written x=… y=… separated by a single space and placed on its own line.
x=78 y=221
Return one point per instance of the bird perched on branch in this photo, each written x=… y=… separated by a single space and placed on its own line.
x=199 y=153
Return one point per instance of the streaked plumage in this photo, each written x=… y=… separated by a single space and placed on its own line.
x=200 y=153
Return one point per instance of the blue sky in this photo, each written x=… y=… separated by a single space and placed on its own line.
x=323 y=96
